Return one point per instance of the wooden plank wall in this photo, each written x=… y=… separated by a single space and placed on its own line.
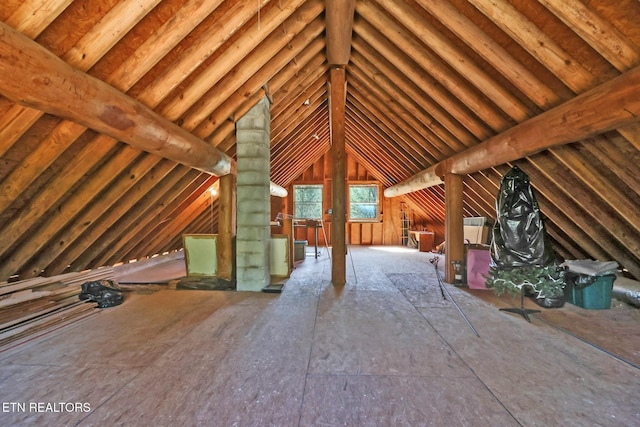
x=387 y=231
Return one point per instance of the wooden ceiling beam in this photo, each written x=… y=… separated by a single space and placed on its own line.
x=379 y=135
x=15 y=123
x=262 y=63
x=444 y=142
x=89 y=221
x=431 y=90
x=291 y=128
x=486 y=196
x=406 y=146
x=116 y=83
x=86 y=52
x=180 y=217
x=305 y=152
x=291 y=62
x=596 y=31
x=608 y=191
x=456 y=85
x=175 y=226
x=299 y=106
x=540 y=45
x=36 y=208
x=632 y=134
x=78 y=254
x=30 y=20
x=578 y=191
x=295 y=78
x=152 y=219
x=339 y=14
x=33 y=16
x=148 y=210
x=295 y=89
x=459 y=61
x=485 y=46
x=475 y=198
x=368 y=142
x=44 y=155
x=49 y=84
x=422 y=142
x=302 y=131
x=431 y=206
x=564 y=246
x=232 y=20
x=159 y=44
x=271 y=19
x=111 y=28
x=300 y=93
x=288 y=127
x=613 y=104
x=618 y=156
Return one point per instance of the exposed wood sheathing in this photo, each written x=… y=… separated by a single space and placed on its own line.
x=425 y=81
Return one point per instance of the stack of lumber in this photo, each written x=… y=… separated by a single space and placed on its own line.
x=36 y=306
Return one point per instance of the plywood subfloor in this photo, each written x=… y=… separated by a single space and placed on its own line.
x=384 y=350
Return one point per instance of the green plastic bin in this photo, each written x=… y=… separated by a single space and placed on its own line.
x=596 y=296
x=299 y=249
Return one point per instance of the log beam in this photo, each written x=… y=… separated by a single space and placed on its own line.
x=43 y=81
x=339 y=14
x=277 y=190
x=609 y=106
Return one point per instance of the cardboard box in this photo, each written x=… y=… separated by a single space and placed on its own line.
x=477 y=234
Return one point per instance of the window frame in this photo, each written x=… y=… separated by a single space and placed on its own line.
x=377 y=202
x=296 y=202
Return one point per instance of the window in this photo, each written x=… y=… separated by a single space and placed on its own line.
x=307 y=201
x=363 y=202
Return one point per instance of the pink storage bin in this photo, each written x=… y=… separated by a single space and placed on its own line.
x=478 y=261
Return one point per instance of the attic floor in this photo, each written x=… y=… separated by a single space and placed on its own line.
x=385 y=350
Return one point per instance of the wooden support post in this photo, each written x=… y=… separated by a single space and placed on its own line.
x=226 y=226
x=454 y=231
x=337 y=81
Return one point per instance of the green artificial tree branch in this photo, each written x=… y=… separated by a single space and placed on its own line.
x=547 y=282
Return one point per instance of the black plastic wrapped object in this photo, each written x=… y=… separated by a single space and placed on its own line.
x=518 y=236
x=105 y=292
x=580 y=281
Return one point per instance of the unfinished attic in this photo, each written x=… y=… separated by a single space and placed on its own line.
x=352 y=130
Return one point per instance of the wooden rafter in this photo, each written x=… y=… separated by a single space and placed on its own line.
x=572 y=121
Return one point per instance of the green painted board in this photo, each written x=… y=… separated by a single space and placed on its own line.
x=279 y=255
x=200 y=254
